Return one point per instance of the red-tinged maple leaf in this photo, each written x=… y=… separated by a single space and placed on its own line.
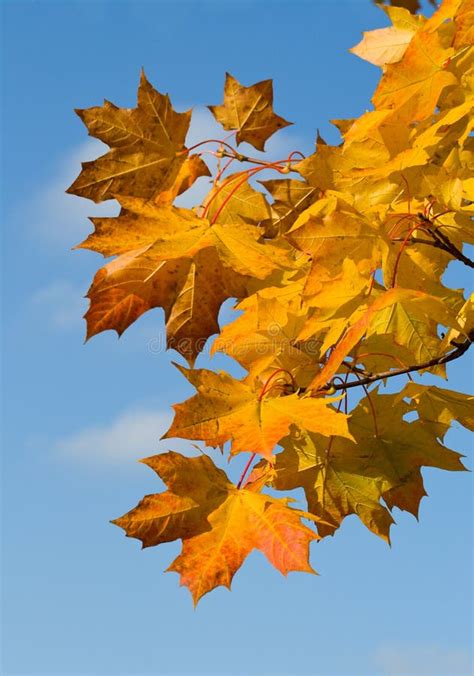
x=190 y=292
x=249 y=110
x=171 y=258
x=218 y=523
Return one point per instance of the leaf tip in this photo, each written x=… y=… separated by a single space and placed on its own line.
x=143 y=77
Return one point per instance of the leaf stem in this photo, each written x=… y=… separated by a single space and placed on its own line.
x=246 y=469
x=209 y=140
x=247 y=174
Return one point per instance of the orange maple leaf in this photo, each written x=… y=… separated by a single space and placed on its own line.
x=165 y=255
x=218 y=523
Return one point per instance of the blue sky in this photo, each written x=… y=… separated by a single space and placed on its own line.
x=79 y=598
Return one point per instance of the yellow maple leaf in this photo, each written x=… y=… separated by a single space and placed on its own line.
x=464 y=21
x=291 y=197
x=192 y=168
x=383 y=45
x=234 y=201
x=402 y=313
x=225 y=409
x=168 y=232
x=264 y=337
x=438 y=407
x=414 y=84
x=331 y=231
x=388 y=45
x=146 y=147
x=249 y=110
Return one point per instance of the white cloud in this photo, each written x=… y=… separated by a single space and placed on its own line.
x=422 y=660
x=57 y=217
x=62 y=303
x=132 y=435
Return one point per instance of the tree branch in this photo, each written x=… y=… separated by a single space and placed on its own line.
x=460 y=349
x=442 y=242
x=452 y=249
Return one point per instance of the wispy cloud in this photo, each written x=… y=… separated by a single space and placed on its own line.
x=57 y=217
x=62 y=304
x=422 y=660
x=132 y=435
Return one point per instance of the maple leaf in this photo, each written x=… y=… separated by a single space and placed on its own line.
x=218 y=523
x=146 y=142
x=226 y=409
x=401 y=312
x=342 y=478
x=374 y=139
x=339 y=278
x=437 y=407
x=384 y=45
x=464 y=21
x=291 y=197
x=337 y=168
x=249 y=110
x=414 y=84
x=166 y=232
x=388 y=45
x=465 y=328
x=190 y=292
x=235 y=201
x=192 y=168
x=331 y=231
x=265 y=336
x=421 y=268
x=329 y=292
x=170 y=258
x=322 y=167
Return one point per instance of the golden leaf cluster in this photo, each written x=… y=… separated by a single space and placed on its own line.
x=337 y=267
